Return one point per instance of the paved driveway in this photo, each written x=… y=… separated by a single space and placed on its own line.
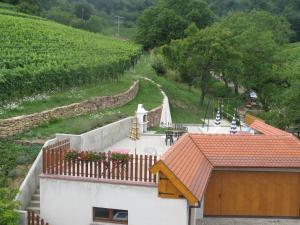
x=247 y=221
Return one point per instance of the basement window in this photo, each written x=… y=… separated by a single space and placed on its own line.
x=110 y=215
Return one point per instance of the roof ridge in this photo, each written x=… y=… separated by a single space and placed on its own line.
x=189 y=135
x=171 y=148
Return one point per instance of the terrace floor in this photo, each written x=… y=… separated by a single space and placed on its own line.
x=150 y=144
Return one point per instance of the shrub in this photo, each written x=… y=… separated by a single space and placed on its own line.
x=159 y=66
x=71 y=155
x=119 y=157
x=22 y=159
x=8 y=215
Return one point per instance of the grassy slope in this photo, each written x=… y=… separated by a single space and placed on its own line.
x=184 y=104
x=148 y=94
x=43 y=102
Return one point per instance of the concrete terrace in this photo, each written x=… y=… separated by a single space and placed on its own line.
x=150 y=144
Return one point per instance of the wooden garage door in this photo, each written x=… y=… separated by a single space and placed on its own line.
x=253 y=194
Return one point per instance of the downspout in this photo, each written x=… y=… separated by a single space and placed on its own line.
x=190 y=210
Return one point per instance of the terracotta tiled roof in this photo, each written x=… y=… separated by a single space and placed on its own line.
x=189 y=165
x=192 y=158
x=249 y=151
x=266 y=129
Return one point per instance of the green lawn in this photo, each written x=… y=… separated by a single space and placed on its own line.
x=44 y=102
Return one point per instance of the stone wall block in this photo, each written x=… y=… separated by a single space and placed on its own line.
x=12 y=126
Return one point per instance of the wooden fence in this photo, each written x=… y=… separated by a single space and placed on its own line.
x=34 y=219
x=135 y=168
x=56 y=150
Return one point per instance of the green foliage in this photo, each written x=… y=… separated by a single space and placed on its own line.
x=71 y=155
x=120 y=157
x=159 y=66
x=30 y=7
x=285 y=101
x=83 y=10
x=196 y=56
x=160 y=24
x=8 y=215
x=287 y=8
x=56 y=57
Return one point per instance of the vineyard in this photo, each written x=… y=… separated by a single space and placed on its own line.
x=41 y=56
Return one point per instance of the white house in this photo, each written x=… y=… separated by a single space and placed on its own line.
x=200 y=175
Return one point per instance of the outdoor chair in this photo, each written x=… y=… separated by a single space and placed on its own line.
x=169 y=137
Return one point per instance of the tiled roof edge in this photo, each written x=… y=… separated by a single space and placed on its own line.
x=201 y=151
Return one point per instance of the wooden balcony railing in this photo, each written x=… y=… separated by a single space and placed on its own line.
x=34 y=219
x=135 y=168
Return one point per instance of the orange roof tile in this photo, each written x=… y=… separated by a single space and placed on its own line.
x=193 y=157
x=189 y=165
x=266 y=129
x=249 y=151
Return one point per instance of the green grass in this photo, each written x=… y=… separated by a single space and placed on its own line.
x=33 y=105
x=148 y=94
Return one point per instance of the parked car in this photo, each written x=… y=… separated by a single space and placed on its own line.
x=121 y=216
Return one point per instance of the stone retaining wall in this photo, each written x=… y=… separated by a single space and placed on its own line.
x=18 y=124
x=154 y=116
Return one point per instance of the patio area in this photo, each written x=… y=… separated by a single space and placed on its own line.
x=150 y=144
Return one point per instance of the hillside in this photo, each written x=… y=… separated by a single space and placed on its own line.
x=39 y=56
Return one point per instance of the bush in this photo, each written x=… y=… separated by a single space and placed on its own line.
x=218 y=89
x=8 y=215
x=159 y=66
x=22 y=160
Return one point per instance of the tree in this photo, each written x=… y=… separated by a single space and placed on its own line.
x=83 y=11
x=200 y=54
x=30 y=7
x=167 y=21
x=259 y=36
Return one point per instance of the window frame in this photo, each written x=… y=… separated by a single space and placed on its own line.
x=110 y=216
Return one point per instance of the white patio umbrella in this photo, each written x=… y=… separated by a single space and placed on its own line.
x=233 y=127
x=218 y=118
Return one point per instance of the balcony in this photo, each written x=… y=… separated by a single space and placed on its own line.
x=59 y=161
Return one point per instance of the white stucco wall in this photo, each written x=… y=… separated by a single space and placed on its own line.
x=65 y=202
x=100 y=138
x=31 y=181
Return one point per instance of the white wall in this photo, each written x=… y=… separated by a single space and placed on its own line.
x=65 y=202
x=31 y=181
x=101 y=138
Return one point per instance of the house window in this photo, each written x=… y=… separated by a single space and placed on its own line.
x=110 y=215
